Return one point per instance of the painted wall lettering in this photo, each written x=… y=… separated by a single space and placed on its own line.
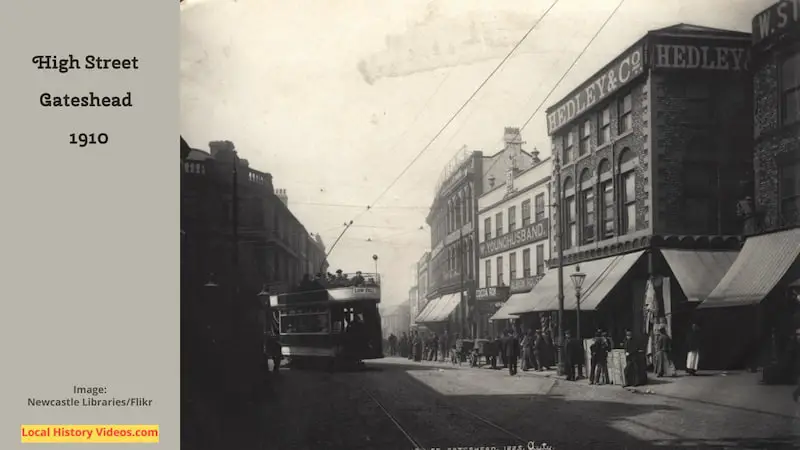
x=532 y=233
x=703 y=57
x=776 y=20
x=625 y=69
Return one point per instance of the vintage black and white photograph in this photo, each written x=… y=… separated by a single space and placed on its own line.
x=507 y=224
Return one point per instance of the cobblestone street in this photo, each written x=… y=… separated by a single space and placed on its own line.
x=397 y=404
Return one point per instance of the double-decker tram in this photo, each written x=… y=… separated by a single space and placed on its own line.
x=333 y=321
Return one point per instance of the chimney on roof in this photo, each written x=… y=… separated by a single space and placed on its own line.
x=222 y=150
x=281 y=194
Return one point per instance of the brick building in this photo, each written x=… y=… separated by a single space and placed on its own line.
x=453 y=258
x=756 y=301
x=514 y=246
x=650 y=154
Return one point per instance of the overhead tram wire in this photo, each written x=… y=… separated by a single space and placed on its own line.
x=461 y=108
x=560 y=80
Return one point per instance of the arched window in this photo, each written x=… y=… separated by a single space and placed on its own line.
x=587 y=206
x=569 y=213
x=627 y=184
x=606 y=195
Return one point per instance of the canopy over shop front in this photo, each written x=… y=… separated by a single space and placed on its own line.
x=759 y=267
x=502 y=313
x=602 y=275
x=698 y=272
x=439 y=309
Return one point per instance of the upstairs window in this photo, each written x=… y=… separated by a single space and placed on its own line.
x=790 y=89
x=604 y=127
x=625 y=117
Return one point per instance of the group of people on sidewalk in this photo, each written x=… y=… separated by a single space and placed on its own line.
x=536 y=350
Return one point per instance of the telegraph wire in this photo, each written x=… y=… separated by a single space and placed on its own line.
x=461 y=108
x=560 y=80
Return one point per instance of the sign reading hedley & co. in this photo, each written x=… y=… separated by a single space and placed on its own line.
x=525 y=235
x=700 y=56
x=626 y=67
x=776 y=20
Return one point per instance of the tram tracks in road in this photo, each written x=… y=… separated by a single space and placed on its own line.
x=418 y=443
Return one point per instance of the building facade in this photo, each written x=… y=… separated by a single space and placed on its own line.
x=396 y=320
x=452 y=218
x=756 y=302
x=413 y=295
x=649 y=158
x=513 y=241
x=422 y=268
x=263 y=244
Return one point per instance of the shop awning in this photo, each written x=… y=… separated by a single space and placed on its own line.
x=602 y=275
x=698 y=272
x=760 y=266
x=426 y=311
x=439 y=309
x=510 y=304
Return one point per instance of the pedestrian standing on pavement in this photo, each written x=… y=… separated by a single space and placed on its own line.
x=503 y=340
x=599 y=351
x=569 y=363
x=663 y=347
x=443 y=346
x=549 y=357
x=512 y=353
x=576 y=357
x=693 y=350
x=417 y=352
x=635 y=371
x=539 y=350
x=527 y=349
x=435 y=347
x=594 y=350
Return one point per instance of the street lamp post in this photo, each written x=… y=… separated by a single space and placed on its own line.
x=375 y=258
x=560 y=253
x=577 y=280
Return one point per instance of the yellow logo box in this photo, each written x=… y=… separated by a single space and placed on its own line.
x=90 y=434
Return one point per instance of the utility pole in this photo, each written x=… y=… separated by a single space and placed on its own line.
x=560 y=252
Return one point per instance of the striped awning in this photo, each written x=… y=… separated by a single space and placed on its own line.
x=439 y=309
x=602 y=275
x=510 y=304
x=763 y=262
x=698 y=272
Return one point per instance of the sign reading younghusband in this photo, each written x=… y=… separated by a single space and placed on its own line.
x=525 y=235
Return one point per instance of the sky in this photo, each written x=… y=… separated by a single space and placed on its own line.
x=335 y=98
